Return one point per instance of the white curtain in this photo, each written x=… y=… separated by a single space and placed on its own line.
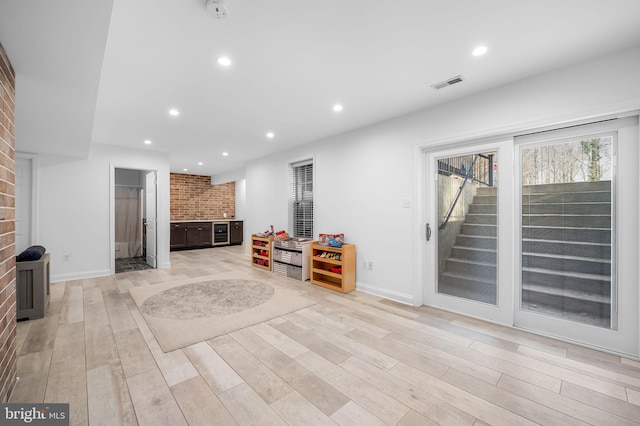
x=128 y=202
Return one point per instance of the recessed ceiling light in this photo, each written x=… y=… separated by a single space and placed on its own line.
x=270 y=135
x=225 y=154
x=338 y=107
x=225 y=61
x=479 y=51
x=200 y=163
x=147 y=142
x=185 y=170
x=174 y=112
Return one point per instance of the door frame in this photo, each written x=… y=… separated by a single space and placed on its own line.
x=503 y=311
x=112 y=210
x=419 y=216
x=151 y=259
x=625 y=339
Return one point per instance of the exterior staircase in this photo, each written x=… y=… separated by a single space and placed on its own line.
x=470 y=270
x=566 y=251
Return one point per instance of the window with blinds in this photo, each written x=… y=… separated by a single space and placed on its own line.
x=301 y=199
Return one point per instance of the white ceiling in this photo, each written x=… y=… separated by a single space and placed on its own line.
x=109 y=70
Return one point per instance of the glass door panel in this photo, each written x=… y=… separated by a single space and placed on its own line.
x=469 y=261
x=567 y=230
x=467 y=211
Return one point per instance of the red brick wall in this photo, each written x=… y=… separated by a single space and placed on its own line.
x=193 y=197
x=7 y=229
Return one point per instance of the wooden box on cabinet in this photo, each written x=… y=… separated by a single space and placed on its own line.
x=261 y=251
x=321 y=266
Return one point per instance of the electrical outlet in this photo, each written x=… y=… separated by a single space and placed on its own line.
x=369 y=265
x=406 y=203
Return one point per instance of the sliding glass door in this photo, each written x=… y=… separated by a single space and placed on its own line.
x=578 y=189
x=466 y=247
x=540 y=232
x=567 y=230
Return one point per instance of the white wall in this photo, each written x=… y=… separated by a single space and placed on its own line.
x=25 y=200
x=234 y=175
x=241 y=205
x=362 y=177
x=75 y=207
x=241 y=198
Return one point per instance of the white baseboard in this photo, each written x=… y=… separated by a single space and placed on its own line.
x=92 y=274
x=386 y=293
x=80 y=275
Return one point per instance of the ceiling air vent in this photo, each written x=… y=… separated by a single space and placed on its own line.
x=448 y=82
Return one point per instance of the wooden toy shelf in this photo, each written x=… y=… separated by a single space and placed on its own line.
x=261 y=251
x=345 y=281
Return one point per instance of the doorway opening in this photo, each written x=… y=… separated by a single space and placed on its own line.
x=134 y=220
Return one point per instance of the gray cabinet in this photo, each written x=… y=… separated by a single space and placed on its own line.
x=32 y=288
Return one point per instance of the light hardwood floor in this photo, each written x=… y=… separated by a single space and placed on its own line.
x=351 y=359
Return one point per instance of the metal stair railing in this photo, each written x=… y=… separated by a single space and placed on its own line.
x=468 y=175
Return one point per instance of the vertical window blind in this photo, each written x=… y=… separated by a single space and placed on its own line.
x=301 y=199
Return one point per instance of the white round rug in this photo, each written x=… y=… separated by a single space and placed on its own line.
x=208 y=298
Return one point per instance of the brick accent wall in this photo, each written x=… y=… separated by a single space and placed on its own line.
x=194 y=198
x=8 y=363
